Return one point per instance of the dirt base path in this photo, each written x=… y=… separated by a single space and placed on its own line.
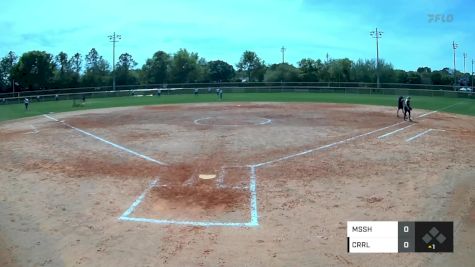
x=66 y=183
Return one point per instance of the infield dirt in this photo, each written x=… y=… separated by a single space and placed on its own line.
x=62 y=191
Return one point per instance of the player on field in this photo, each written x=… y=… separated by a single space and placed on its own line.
x=400 y=105
x=26 y=101
x=195 y=91
x=407 y=108
x=221 y=94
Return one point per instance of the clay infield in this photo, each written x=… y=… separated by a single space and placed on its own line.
x=287 y=179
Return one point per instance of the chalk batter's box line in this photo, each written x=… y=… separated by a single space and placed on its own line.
x=254 y=222
x=125 y=216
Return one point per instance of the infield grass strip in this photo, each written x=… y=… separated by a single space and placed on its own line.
x=14 y=111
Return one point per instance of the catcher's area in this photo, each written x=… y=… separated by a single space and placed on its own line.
x=229 y=185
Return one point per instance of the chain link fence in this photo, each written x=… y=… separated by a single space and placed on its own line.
x=178 y=89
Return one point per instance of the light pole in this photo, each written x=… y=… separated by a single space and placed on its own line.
x=283 y=54
x=377 y=34
x=114 y=39
x=454 y=46
x=464 y=57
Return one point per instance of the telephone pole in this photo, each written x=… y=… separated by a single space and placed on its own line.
x=114 y=39
x=454 y=46
x=473 y=86
x=377 y=34
x=283 y=54
x=464 y=57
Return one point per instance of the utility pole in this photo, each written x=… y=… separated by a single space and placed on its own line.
x=114 y=39
x=473 y=86
x=454 y=46
x=377 y=34
x=464 y=57
x=283 y=54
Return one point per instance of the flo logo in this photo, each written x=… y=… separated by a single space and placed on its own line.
x=442 y=18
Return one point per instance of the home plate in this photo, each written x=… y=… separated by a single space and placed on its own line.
x=207 y=176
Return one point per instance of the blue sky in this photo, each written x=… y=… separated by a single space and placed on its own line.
x=225 y=29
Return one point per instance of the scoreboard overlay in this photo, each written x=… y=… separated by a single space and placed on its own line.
x=399 y=236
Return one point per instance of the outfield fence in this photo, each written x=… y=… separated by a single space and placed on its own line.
x=183 y=89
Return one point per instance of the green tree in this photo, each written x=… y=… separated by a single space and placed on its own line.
x=35 y=70
x=6 y=66
x=308 y=69
x=413 y=77
x=123 y=68
x=184 y=67
x=252 y=65
x=219 y=70
x=64 y=74
x=339 y=70
x=364 y=71
x=156 y=70
x=76 y=63
x=281 y=73
x=97 y=70
x=386 y=72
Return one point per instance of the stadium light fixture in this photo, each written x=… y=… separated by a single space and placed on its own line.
x=114 y=38
x=283 y=54
x=377 y=35
x=455 y=46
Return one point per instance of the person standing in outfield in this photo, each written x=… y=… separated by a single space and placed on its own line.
x=159 y=92
x=221 y=94
x=217 y=91
x=407 y=108
x=196 y=91
x=26 y=101
x=56 y=97
x=400 y=105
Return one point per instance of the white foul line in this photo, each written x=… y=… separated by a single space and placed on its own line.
x=418 y=135
x=138 y=200
x=108 y=142
x=325 y=146
x=393 y=132
x=34 y=130
x=444 y=108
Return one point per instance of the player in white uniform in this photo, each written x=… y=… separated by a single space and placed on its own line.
x=26 y=101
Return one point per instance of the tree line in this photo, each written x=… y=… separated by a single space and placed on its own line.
x=36 y=70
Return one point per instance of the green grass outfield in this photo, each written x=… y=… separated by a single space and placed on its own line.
x=14 y=111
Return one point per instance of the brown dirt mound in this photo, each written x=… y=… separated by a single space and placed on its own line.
x=203 y=196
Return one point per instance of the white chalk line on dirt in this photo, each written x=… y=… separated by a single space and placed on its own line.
x=393 y=132
x=126 y=215
x=107 y=142
x=345 y=140
x=139 y=199
x=419 y=135
x=444 y=108
x=326 y=146
x=35 y=130
x=197 y=122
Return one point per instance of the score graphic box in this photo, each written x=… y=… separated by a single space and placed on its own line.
x=395 y=236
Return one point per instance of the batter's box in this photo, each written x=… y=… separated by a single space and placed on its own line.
x=227 y=200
